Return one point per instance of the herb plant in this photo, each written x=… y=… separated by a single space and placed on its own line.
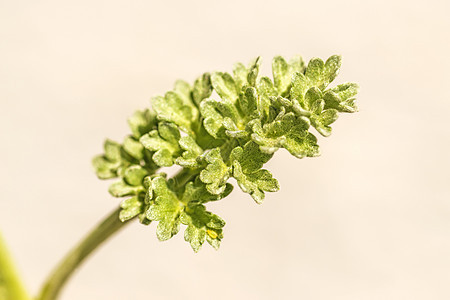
x=223 y=126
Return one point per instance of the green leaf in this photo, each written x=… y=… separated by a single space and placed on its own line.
x=225 y=86
x=240 y=74
x=142 y=122
x=232 y=130
x=302 y=144
x=165 y=209
x=253 y=71
x=183 y=90
x=321 y=74
x=122 y=189
x=214 y=112
x=283 y=71
x=164 y=142
x=281 y=74
x=255 y=183
x=172 y=108
x=287 y=131
x=202 y=225
x=134 y=175
x=110 y=164
x=300 y=85
x=313 y=107
x=207 y=141
x=322 y=120
x=104 y=168
x=266 y=90
x=250 y=157
x=346 y=90
x=133 y=147
x=216 y=173
x=112 y=150
x=196 y=193
x=131 y=207
x=342 y=98
x=297 y=64
x=248 y=103
x=190 y=157
x=247 y=163
x=320 y=108
x=331 y=69
x=202 y=88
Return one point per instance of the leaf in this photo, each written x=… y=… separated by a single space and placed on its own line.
x=122 y=189
x=240 y=74
x=287 y=131
x=322 y=120
x=131 y=207
x=196 y=193
x=266 y=90
x=134 y=175
x=342 y=98
x=247 y=163
x=164 y=142
x=112 y=150
x=321 y=74
x=346 y=90
x=255 y=183
x=165 y=209
x=109 y=164
x=302 y=144
x=104 y=168
x=314 y=107
x=142 y=122
x=253 y=71
x=331 y=69
x=183 y=90
x=172 y=108
x=320 y=108
x=134 y=148
x=216 y=173
x=202 y=88
x=300 y=85
x=281 y=74
x=283 y=71
x=190 y=157
x=297 y=64
x=232 y=130
x=225 y=86
x=250 y=157
x=315 y=71
x=202 y=225
x=248 y=103
x=207 y=141
x=214 y=112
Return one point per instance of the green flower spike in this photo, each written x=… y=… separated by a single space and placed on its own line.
x=223 y=126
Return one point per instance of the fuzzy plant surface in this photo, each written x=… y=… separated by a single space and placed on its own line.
x=220 y=127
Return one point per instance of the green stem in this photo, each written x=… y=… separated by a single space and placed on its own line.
x=73 y=259
x=11 y=287
x=183 y=176
x=111 y=224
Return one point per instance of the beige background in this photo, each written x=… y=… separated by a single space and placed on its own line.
x=369 y=219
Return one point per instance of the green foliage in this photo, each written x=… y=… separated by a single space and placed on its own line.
x=213 y=137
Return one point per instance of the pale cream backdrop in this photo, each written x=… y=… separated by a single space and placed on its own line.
x=369 y=219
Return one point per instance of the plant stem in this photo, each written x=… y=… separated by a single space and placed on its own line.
x=11 y=287
x=75 y=257
x=111 y=224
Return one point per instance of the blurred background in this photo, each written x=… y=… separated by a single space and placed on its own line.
x=369 y=219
